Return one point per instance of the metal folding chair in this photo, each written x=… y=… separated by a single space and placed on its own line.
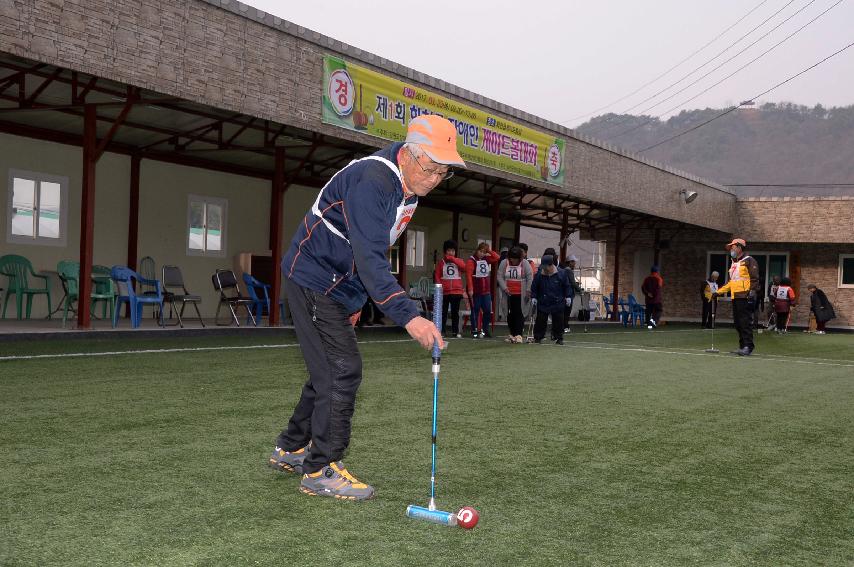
x=175 y=291
x=225 y=283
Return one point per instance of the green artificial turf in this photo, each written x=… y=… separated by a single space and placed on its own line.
x=621 y=448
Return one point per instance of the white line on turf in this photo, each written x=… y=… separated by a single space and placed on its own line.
x=763 y=355
x=587 y=345
x=634 y=348
x=168 y=350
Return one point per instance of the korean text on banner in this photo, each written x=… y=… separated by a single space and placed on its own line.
x=359 y=99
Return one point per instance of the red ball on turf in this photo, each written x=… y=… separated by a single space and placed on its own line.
x=467 y=517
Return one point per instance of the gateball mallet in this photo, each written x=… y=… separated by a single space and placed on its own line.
x=431 y=513
x=714 y=315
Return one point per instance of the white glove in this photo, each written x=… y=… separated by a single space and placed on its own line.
x=534 y=301
x=568 y=302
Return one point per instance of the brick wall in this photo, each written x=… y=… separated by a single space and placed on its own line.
x=813 y=219
x=227 y=55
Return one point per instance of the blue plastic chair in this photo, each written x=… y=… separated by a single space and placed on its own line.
x=625 y=313
x=609 y=305
x=259 y=292
x=638 y=311
x=126 y=280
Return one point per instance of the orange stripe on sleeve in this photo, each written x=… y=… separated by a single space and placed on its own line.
x=299 y=249
x=387 y=299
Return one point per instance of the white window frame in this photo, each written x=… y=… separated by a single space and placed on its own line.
x=223 y=239
x=839 y=283
x=412 y=260
x=393 y=256
x=63 y=208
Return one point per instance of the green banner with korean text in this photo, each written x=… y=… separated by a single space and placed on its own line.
x=359 y=99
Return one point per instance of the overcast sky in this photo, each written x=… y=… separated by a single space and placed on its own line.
x=564 y=59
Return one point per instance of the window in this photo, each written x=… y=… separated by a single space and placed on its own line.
x=846 y=270
x=415 y=247
x=206 y=222
x=487 y=239
x=37 y=208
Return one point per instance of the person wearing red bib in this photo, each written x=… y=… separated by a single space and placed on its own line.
x=514 y=277
x=449 y=273
x=784 y=300
x=478 y=272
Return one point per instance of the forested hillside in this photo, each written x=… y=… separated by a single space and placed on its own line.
x=772 y=144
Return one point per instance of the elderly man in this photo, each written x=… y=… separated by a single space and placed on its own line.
x=743 y=287
x=337 y=259
x=708 y=289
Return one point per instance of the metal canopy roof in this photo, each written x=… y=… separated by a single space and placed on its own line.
x=47 y=102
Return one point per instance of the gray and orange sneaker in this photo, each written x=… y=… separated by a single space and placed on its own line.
x=333 y=480
x=288 y=461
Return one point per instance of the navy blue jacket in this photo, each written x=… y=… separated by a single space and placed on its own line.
x=340 y=247
x=551 y=291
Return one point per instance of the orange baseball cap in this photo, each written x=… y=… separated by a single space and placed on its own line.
x=737 y=242
x=437 y=136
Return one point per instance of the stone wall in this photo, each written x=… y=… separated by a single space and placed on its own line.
x=797 y=219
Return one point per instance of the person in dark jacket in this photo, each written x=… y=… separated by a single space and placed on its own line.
x=336 y=259
x=821 y=307
x=549 y=294
x=574 y=288
x=652 y=292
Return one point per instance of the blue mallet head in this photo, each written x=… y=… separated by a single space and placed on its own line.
x=435 y=516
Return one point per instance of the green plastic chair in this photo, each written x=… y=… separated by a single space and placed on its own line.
x=103 y=288
x=18 y=271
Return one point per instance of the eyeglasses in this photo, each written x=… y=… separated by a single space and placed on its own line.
x=445 y=176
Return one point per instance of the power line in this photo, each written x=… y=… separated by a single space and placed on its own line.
x=722 y=114
x=727 y=48
x=752 y=61
x=664 y=74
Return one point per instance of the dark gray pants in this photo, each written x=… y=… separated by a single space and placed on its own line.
x=325 y=409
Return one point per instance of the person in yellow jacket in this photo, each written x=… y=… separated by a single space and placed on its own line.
x=743 y=287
